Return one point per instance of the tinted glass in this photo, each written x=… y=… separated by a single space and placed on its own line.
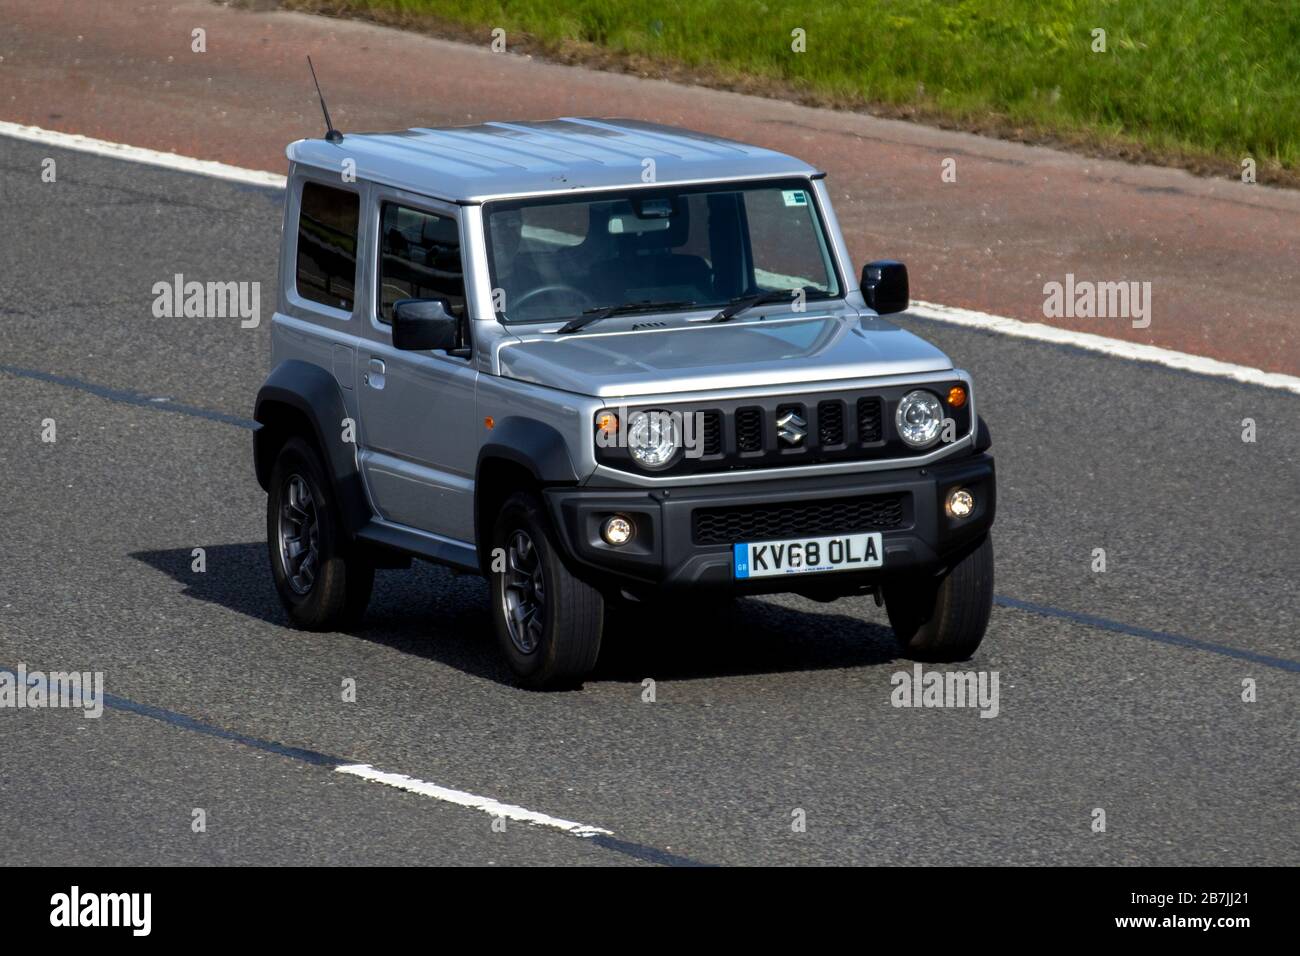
x=419 y=259
x=327 y=245
x=554 y=258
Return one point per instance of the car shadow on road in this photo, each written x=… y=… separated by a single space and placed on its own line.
x=430 y=612
x=758 y=635
x=236 y=576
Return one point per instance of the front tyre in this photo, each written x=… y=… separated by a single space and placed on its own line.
x=548 y=622
x=323 y=583
x=944 y=619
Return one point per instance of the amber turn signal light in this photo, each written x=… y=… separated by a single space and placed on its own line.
x=956 y=396
x=607 y=422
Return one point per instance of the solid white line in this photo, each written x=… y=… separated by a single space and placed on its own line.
x=135 y=154
x=1118 y=348
x=461 y=798
x=1035 y=331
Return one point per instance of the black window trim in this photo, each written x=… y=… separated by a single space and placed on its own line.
x=383 y=200
x=430 y=206
x=315 y=177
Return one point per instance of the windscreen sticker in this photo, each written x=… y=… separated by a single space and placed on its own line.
x=794 y=197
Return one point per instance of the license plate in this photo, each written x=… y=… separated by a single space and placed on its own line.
x=843 y=552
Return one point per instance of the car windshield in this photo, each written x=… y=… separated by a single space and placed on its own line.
x=688 y=247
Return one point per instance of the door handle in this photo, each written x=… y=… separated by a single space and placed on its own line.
x=375 y=377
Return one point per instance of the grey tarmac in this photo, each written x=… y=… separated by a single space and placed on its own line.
x=776 y=705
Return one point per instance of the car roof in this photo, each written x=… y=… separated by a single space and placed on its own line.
x=470 y=164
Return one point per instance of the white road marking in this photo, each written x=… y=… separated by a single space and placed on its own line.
x=1118 y=348
x=461 y=798
x=1036 y=331
x=136 y=154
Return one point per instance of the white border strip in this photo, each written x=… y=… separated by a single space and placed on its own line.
x=1134 y=351
x=463 y=799
x=135 y=154
x=1036 y=331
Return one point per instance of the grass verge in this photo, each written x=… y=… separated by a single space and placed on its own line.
x=1203 y=84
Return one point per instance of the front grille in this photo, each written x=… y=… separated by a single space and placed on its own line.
x=711 y=433
x=798 y=519
x=749 y=429
x=869 y=423
x=830 y=423
x=834 y=426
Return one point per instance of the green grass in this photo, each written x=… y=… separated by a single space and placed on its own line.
x=1215 y=78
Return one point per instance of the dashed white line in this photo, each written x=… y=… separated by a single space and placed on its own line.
x=1036 y=331
x=473 y=801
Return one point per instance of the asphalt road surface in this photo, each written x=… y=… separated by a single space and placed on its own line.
x=1119 y=690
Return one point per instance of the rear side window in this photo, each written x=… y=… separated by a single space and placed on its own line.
x=327 y=245
x=419 y=259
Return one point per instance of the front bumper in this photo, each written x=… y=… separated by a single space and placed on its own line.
x=669 y=550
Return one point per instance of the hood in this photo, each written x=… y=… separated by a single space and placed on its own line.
x=699 y=356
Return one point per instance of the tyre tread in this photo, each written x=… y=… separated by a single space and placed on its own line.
x=945 y=620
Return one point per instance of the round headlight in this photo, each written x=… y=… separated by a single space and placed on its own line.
x=919 y=418
x=652 y=438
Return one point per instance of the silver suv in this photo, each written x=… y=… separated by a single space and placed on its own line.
x=604 y=362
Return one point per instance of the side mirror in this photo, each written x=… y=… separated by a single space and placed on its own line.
x=423 y=324
x=884 y=286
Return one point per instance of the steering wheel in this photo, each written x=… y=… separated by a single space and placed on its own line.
x=552 y=289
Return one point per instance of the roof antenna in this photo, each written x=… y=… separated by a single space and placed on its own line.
x=331 y=134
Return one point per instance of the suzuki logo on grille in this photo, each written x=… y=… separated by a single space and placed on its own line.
x=791 y=428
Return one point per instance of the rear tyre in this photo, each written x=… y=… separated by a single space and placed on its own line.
x=323 y=583
x=944 y=619
x=548 y=622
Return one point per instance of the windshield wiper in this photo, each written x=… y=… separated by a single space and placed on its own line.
x=626 y=308
x=745 y=302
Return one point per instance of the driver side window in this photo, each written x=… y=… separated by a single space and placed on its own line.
x=419 y=258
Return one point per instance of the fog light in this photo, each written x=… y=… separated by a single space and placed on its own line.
x=617 y=530
x=960 y=503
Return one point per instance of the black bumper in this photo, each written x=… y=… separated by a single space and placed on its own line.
x=677 y=531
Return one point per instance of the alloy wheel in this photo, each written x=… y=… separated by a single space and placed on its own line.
x=524 y=593
x=299 y=535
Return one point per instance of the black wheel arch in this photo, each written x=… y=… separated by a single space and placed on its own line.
x=299 y=398
x=523 y=454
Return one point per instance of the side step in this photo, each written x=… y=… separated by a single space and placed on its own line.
x=431 y=547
